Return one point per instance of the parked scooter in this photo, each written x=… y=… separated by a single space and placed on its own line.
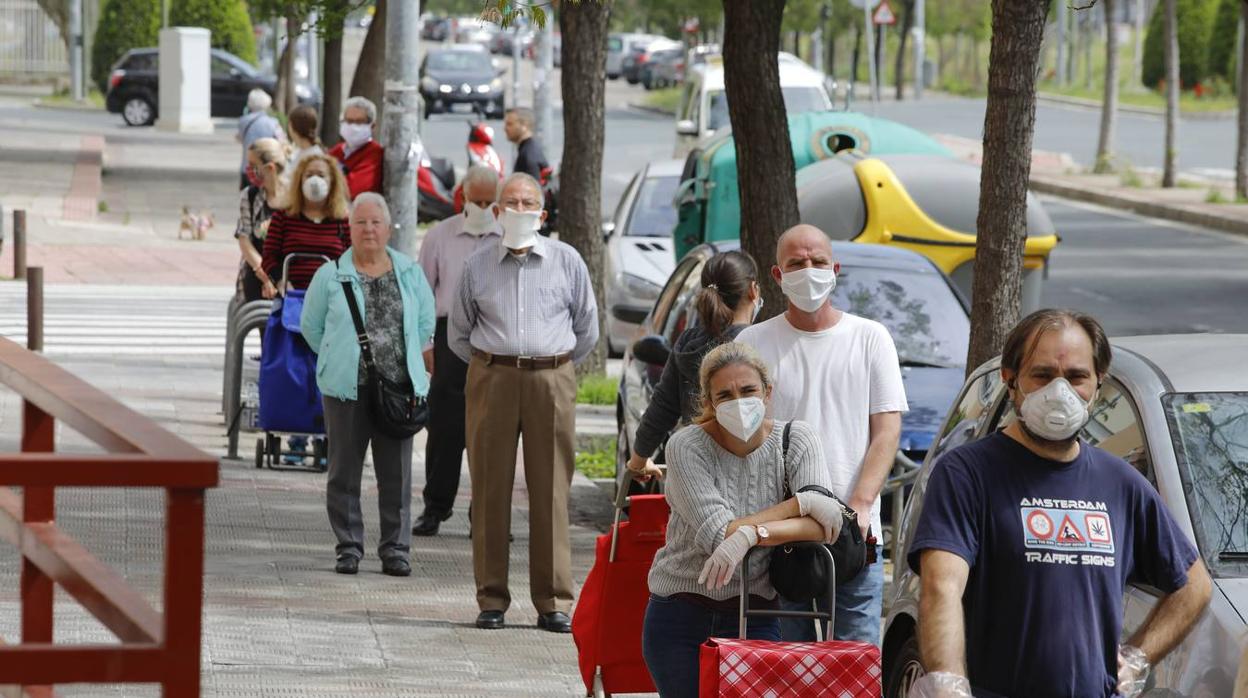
x=440 y=196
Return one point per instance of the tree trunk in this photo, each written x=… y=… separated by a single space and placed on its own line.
x=1172 y=94
x=899 y=62
x=1109 y=105
x=853 y=63
x=370 y=73
x=331 y=99
x=1009 y=122
x=761 y=133
x=584 y=29
x=1241 y=152
x=1089 y=32
x=285 y=99
x=1137 y=63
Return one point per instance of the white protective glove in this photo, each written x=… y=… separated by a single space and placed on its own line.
x=827 y=511
x=719 y=566
x=1133 y=670
x=941 y=684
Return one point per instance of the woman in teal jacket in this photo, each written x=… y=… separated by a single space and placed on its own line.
x=397 y=306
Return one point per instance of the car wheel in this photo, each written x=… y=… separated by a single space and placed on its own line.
x=904 y=669
x=138 y=111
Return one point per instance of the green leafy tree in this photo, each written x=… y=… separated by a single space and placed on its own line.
x=124 y=24
x=226 y=19
x=1195 y=28
x=1222 y=42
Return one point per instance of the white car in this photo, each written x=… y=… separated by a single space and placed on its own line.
x=640 y=254
x=703 y=106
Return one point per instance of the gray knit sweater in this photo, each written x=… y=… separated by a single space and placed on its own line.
x=707 y=487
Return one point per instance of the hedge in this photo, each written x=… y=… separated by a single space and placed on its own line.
x=226 y=19
x=1195 y=27
x=124 y=24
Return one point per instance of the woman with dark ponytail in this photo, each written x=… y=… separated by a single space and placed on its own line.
x=729 y=300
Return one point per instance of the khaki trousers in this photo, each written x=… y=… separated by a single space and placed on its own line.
x=503 y=404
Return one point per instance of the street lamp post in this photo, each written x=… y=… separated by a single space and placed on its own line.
x=541 y=82
x=401 y=121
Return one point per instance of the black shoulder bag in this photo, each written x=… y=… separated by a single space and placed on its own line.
x=396 y=409
x=800 y=573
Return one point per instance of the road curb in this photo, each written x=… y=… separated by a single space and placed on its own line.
x=41 y=104
x=650 y=110
x=1065 y=101
x=1232 y=221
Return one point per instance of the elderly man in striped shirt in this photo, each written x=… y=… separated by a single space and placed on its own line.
x=524 y=314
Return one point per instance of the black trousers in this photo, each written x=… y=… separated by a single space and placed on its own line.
x=444 y=447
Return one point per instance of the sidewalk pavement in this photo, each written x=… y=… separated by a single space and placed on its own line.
x=277 y=621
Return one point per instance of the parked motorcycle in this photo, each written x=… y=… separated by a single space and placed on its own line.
x=440 y=195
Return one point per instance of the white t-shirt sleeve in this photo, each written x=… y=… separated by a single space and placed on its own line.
x=888 y=393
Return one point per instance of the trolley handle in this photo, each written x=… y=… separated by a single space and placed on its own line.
x=281 y=285
x=814 y=614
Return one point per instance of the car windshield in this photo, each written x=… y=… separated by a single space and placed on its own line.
x=796 y=101
x=921 y=312
x=653 y=214
x=1210 y=434
x=463 y=61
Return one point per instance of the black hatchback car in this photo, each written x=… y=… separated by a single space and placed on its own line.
x=461 y=75
x=133 y=86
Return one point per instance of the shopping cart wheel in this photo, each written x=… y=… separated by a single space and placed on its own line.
x=259 y=453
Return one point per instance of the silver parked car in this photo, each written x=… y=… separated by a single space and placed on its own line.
x=1176 y=408
x=639 y=249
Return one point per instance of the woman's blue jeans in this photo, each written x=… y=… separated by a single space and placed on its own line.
x=673 y=632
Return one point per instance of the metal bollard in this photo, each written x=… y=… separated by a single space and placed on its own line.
x=34 y=309
x=19 y=244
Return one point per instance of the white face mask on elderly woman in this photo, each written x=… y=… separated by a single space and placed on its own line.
x=741 y=417
x=519 y=228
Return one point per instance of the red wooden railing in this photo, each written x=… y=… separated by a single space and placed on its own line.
x=154 y=647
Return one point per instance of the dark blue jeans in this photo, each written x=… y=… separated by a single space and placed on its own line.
x=673 y=632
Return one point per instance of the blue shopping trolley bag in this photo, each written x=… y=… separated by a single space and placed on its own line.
x=289 y=398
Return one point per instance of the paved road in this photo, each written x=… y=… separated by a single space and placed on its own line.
x=1074 y=130
x=1143 y=276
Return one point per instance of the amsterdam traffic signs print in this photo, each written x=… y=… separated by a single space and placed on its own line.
x=1068 y=526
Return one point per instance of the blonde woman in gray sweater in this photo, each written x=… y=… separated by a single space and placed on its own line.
x=725 y=484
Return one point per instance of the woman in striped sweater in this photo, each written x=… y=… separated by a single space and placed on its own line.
x=314 y=221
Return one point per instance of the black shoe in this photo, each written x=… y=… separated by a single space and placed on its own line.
x=555 y=622
x=347 y=564
x=490 y=620
x=396 y=567
x=428 y=522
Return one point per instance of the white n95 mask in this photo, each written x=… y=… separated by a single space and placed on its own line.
x=1054 y=412
x=741 y=417
x=477 y=220
x=808 y=288
x=519 y=228
x=315 y=188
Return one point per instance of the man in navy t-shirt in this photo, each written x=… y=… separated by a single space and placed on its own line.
x=1029 y=536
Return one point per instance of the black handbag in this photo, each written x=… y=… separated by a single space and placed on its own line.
x=397 y=411
x=800 y=573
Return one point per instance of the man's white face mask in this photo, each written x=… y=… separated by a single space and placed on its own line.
x=519 y=228
x=808 y=288
x=478 y=220
x=1055 y=412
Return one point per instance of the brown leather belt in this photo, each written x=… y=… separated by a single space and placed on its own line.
x=531 y=363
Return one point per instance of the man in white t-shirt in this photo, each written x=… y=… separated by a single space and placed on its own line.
x=839 y=373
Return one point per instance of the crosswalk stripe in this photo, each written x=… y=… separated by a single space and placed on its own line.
x=118 y=320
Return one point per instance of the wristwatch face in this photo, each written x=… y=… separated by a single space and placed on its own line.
x=763 y=533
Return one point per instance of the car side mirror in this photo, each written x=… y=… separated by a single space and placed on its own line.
x=652 y=349
x=236 y=73
x=608 y=227
x=686 y=127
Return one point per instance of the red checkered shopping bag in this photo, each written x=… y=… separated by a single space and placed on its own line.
x=732 y=668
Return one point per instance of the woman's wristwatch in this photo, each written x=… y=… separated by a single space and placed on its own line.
x=763 y=533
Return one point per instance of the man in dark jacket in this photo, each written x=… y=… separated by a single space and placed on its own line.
x=530 y=159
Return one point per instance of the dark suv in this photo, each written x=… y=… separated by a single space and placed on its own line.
x=134 y=83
